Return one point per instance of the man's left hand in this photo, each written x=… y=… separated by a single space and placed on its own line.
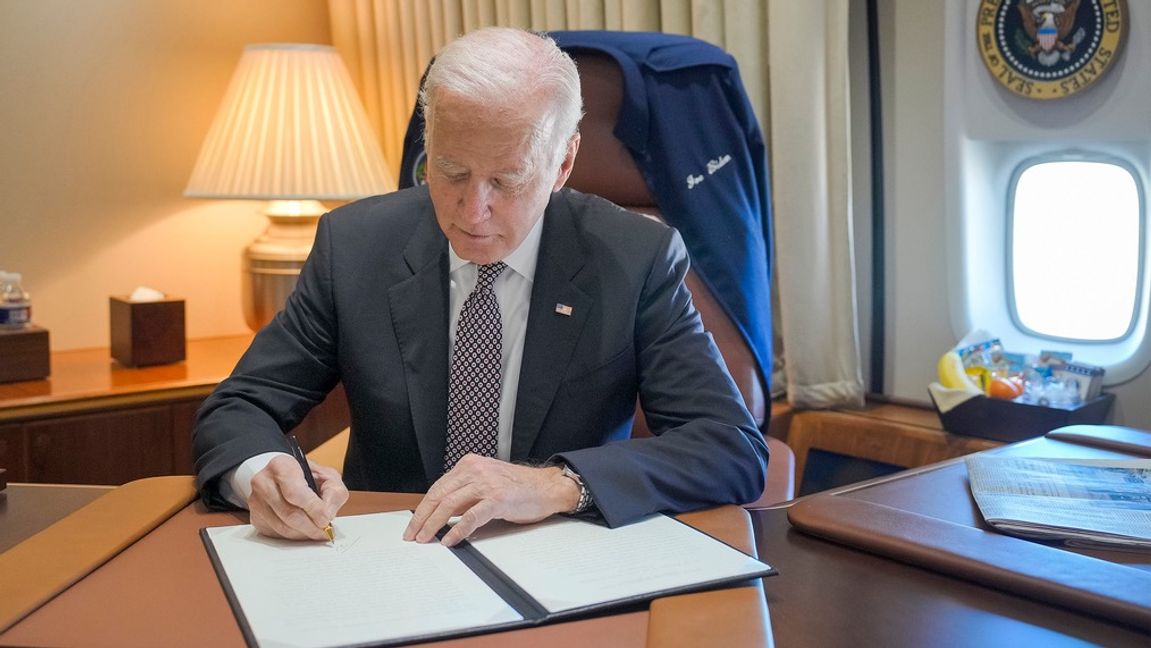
x=482 y=489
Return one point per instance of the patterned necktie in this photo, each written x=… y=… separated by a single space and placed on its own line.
x=474 y=382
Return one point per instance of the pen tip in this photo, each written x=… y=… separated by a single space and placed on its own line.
x=330 y=532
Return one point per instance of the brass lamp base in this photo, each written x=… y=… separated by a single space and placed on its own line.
x=273 y=261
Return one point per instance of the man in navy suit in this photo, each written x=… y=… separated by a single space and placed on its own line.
x=593 y=311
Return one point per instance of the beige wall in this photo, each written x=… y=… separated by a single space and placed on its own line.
x=918 y=316
x=103 y=106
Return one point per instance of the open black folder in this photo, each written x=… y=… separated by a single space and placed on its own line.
x=370 y=587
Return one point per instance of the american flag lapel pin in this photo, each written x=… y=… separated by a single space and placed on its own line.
x=564 y=309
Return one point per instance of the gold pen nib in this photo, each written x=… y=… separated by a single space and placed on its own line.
x=331 y=533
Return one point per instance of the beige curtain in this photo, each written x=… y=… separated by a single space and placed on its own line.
x=811 y=180
x=387 y=43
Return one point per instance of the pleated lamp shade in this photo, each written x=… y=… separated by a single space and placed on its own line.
x=291 y=127
x=290 y=130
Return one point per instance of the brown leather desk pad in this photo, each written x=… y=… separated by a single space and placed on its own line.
x=26 y=509
x=162 y=591
x=39 y=568
x=1109 y=437
x=929 y=519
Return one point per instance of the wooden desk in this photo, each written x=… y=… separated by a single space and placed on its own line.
x=826 y=594
x=94 y=421
x=162 y=591
x=833 y=591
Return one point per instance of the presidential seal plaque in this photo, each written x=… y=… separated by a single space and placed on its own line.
x=1050 y=49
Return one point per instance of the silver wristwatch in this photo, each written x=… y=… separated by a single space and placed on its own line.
x=585 y=499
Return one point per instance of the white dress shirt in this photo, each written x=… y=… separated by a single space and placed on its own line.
x=513 y=289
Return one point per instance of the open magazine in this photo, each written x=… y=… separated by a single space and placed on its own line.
x=1101 y=503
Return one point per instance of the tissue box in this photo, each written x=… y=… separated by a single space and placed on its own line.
x=1010 y=421
x=24 y=354
x=146 y=333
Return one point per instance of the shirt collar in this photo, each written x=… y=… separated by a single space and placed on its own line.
x=522 y=259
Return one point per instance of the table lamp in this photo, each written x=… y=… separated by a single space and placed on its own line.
x=291 y=130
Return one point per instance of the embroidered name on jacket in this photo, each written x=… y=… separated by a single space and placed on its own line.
x=712 y=167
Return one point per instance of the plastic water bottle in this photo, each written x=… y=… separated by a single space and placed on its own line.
x=15 y=305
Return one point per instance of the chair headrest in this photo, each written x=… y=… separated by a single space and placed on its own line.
x=604 y=166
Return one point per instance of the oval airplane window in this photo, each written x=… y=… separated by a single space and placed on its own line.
x=1075 y=246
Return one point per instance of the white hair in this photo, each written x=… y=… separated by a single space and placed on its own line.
x=506 y=69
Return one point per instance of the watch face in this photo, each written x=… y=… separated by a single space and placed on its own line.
x=568 y=472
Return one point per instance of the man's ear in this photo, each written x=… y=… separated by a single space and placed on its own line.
x=568 y=163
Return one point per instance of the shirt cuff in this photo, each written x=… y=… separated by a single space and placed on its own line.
x=236 y=484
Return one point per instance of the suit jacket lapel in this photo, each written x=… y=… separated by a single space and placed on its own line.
x=419 y=308
x=551 y=335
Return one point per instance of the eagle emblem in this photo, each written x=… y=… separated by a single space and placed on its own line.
x=1049 y=49
x=1048 y=26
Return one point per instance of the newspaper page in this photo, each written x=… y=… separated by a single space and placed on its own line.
x=1101 y=503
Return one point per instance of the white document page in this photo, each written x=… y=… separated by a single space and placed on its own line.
x=567 y=563
x=368 y=586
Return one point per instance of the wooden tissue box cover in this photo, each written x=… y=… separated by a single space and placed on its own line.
x=147 y=333
x=24 y=354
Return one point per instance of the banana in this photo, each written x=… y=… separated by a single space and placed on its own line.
x=953 y=375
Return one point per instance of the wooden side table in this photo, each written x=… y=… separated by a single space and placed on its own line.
x=892 y=434
x=94 y=421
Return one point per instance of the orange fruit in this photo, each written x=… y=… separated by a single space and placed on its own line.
x=1005 y=388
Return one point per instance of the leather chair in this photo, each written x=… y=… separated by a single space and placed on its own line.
x=605 y=167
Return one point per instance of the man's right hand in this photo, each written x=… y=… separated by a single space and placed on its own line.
x=283 y=506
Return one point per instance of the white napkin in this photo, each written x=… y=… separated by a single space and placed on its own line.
x=946 y=398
